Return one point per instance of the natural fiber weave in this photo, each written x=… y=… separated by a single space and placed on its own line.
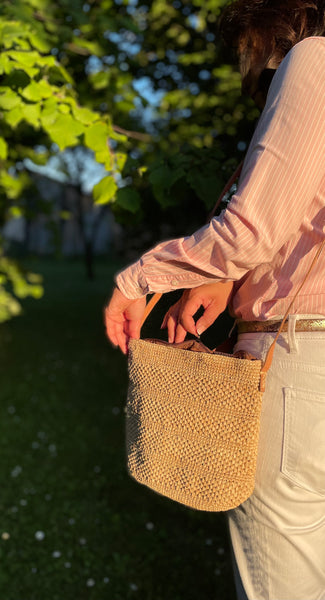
x=192 y=424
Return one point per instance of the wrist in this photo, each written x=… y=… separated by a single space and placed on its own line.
x=131 y=282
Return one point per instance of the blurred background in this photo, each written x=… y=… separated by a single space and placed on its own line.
x=121 y=121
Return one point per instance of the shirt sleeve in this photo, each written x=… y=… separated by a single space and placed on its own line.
x=283 y=170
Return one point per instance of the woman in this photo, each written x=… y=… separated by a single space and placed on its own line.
x=255 y=254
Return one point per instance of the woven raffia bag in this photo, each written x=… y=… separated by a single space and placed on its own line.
x=192 y=419
x=192 y=424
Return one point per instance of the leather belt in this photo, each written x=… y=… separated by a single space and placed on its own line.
x=273 y=326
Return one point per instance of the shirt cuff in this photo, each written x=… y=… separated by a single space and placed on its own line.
x=131 y=282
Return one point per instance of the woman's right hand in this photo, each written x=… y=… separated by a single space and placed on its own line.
x=123 y=318
x=179 y=319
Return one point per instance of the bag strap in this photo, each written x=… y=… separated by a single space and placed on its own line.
x=269 y=356
x=156 y=297
x=226 y=189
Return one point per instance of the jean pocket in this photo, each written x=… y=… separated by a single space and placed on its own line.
x=303 y=457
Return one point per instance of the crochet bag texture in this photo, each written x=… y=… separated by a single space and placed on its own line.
x=192 y=424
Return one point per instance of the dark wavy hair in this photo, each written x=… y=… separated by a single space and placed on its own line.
x=264 y=30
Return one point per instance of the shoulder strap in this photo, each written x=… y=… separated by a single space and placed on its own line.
x=269 y=356
x=156 y=297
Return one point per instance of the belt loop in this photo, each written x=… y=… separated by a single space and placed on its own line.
x=292 y=340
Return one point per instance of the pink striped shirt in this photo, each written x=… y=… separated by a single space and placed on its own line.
x=267 y=236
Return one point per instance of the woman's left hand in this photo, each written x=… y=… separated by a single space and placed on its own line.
x=123 y=318
x=179 y=320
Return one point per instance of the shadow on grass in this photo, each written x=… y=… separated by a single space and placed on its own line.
x=73 y=524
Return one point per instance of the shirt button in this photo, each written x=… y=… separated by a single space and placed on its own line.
x=174 y=282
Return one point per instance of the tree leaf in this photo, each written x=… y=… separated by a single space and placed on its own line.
x=129 y=199
x=120 y=160
x=39 y=42
x=9 y=306
x=8 y=98
x=59 y=73
x=5 y=63
x=84 y=115
x=162 y=178
x=104 y=157
x=65 y=131
x=12 y=185
x=28 y=59
x=9 y=33
x=13 y=117
x=39 y=4
x=96 y=136
x=31 y=113
x=3 y=149
x=31 y=72
x=49 y=112
x=15 y=212
x=105 y=190
x=64 y=108
x=46 y=89
x=99 y=81
x=206 y=186
x=36 y=91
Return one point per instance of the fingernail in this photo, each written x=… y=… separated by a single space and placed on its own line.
x=198 y=332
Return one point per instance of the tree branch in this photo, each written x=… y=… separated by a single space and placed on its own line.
x=77 y=49
x=143 y=137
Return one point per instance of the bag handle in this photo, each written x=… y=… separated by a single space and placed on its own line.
x=269 y=356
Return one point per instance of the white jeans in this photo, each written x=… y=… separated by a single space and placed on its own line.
x=278 y=534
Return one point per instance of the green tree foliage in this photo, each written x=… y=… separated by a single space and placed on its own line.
x=160 y=69
x=40 y=109
x=146 y=86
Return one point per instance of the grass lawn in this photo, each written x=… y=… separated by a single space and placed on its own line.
x=73 y=525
